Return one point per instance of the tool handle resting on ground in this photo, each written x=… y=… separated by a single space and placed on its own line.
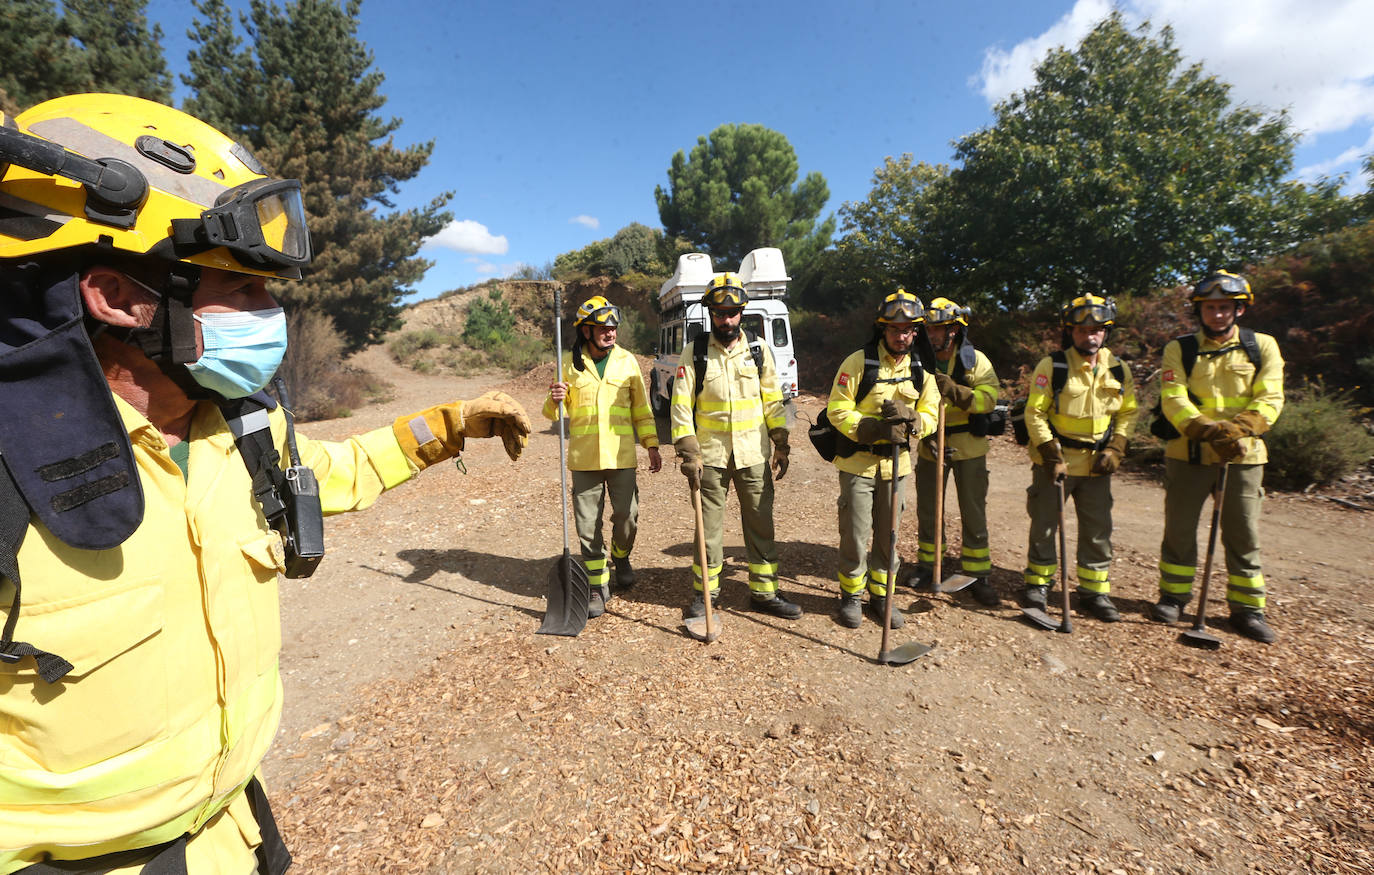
x=705 y=628
x=937 y=573
x=911 y=650
x=1198 y=634
x=1065 y=624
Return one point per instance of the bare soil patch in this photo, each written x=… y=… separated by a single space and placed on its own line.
x=427 y=729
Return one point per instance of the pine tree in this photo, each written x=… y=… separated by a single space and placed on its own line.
x=304 y=98
x=122 y=55
x=39 y=59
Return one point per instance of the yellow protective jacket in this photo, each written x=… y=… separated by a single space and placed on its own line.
x=174 y=696
x=605 y=414
x=1092 y=400
x=736 y=408
x=844 y=414
x=983 y=380
x=1224 y=383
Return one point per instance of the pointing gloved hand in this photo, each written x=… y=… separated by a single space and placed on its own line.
x=1052 y=457
x=439 y=432
x=958 y=394
x=780 y=451
x=689 y=452
x=1109 y=459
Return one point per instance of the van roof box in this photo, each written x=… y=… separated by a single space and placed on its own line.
x=762 y=272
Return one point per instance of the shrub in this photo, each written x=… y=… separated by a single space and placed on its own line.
x=490 y=323
x=1317 y=439
x=319 y=384
x=637 y=334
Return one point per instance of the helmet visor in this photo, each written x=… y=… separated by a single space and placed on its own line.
x=905 y=309
x=1096 y=314
x=262 y=223
x=609 y=316
x=725 y=296
x=1223 y=287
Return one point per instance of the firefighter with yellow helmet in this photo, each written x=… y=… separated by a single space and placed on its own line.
x=1220 y=389
x=602 y=389
x=151 y=493
x=729 y=426
x=880 y=400
x=1079 y=414
x=968 y=388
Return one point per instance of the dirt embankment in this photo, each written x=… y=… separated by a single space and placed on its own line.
x=427 y=729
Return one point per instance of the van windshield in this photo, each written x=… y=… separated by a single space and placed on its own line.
x=753 y=323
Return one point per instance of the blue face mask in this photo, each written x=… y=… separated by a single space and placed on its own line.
x=242 y=351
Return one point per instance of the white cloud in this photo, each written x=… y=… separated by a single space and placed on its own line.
x=1346 y=160
x=589 y=221
x=484 y=268
x=468 y=236
x=1308 y=56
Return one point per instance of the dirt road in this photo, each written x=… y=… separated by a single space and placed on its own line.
x=427 y=729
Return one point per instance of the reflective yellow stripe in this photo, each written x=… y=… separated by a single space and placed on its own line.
x=737 y=406
x=1093 y=580
x=1187 y=571
x=850 y=585
x=1085 y=427
x=1039 y=575
x=763 y=569
x=732 y=425
x=1176 y=588
x=715 y=577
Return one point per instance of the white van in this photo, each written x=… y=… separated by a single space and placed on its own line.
x=683 y=318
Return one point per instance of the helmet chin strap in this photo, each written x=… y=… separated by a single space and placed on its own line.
x=170 y=341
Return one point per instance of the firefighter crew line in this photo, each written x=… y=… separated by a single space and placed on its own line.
x=1221 y=388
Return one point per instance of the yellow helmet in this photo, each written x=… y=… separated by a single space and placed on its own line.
x=943 y=310
x=1089 y=309
x=726 y=290
x=901 y=306
x=144 y=179
x=1223 y=286
x=597 y=310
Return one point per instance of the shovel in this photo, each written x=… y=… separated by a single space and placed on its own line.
x=1038 y=616
x=956 y=582
x=705 y=628
x=565 y=611
x=1198 y=636
x=912 y=650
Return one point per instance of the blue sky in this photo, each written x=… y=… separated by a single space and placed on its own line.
x=553 y=122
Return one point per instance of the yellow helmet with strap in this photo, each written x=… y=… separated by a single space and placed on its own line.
x=1089 y=309
x=900 y=306
x=1223 y=286
x=942 y=310
x=597 y=310
x=725 y=290
x=144 y=179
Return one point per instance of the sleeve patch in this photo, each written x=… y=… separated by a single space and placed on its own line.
x=681 y=372
x=1168 y=376
x=1042 y=381
x=843 y=380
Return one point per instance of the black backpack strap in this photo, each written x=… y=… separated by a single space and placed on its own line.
x=755 y=350
x=1118 y=370
x=869 y=378
x=248 y=422
x=1187 y=348
x=1250 y=344
x=964 y=362
x=1059 y=374
x=699 y=363
x=14 y=524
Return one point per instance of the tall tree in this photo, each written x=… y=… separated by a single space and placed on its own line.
x=40 y=60
x=122 y=55
x=305 y=98
x=1120 y=169
x=738 y=191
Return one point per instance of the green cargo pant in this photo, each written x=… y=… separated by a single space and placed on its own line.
x=865 y=507
x=589 y=489
x=754 y=486
x=1186 y=488
x=1092 y=502
x=971 y=485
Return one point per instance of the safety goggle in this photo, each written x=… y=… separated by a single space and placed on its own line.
x=608 y=316
x=904 y=309
x=725 y=296
x=1098 y=314
x=1229 y=286
x=262 y=223
x=941 y=315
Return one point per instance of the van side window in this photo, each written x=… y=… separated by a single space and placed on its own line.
x=692 y=331
x=780 y=332
x=753 y=322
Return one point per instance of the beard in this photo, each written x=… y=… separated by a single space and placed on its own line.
x=726 y=334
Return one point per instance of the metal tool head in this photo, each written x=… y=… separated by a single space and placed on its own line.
x=570 y=591
x=1197 y=637
x=1040 y=618
x=904 y=653
x=701 y=630
x=957 y=583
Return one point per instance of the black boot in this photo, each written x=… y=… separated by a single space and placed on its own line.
x=776 y=605
x=1251 y=624
x=922 y=579
x=1098 y=605
x=851 y=613
x=1034 y=596
x=624 y=574
x=698 y=606
x=596 y=605
x=1167 y=610
x=984 y=593
x=877 y=609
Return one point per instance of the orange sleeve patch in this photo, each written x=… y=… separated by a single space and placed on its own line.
x=1042 y=381
x=1169 y=375
x=681 y=372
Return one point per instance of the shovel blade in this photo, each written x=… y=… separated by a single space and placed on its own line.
x=1198 y=638
x=698 y=629
x=957 y=583
x=565 y=612
x=1040 y=618
x=904 y=653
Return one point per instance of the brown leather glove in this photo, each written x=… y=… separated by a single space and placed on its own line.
x=1109 y=459
x=439 y=432
x=1250 y=422
x=958 y=394
x=897 y=410
x=1228 y=451
x=780 y=451
x=869 y=430
x=1200 y=428
x=1052 y=457
x=689 y=452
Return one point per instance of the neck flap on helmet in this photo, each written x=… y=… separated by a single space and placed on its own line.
x=61 y=437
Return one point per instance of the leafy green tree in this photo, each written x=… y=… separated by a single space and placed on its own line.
x=304 y=98
x=1120 y=169
x=636 y=248
x=40 y=60
x=122 y=55
x=738 y=191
